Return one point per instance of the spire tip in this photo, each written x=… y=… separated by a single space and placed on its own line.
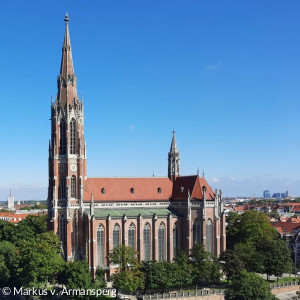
x=66 y=18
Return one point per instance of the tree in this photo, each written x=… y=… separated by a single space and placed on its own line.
x=36 y=224
x=40 y=260
x=251 y=226
x=251 y=258
x=128 y=276
x=8 y=264
x=128 y=280
x=24 y=230
x=204 y=266
x=273 y=214
x=182 y=270
x=100 y=278
x=231 y=263
x=76 y=275
x=248 y=286
x=232 y=229
x=277 y=257
x=124 y=257
x=7 y=231
x=158 y=275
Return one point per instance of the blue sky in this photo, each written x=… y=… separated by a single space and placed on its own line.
x=225 y=75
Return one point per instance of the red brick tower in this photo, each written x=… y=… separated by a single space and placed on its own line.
x=67 y=157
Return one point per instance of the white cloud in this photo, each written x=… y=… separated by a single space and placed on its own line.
x=214 y=66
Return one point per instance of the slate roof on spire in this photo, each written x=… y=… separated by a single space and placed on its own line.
x=67 y=82
x=174 y=144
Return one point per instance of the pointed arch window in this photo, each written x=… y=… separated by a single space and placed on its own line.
x=147 y=242
x=72 y=136
x=62 y=187
x=197 y=232
x=161 y=242
x=62 y=232
x=100 y=245
x=86 y=241
x=175 y=239
x=131 y=236
x=73 y=186
x=116 y=235
x=63 y=138
x=209 y=236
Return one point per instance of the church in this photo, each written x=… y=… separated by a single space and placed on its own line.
x=157 y=216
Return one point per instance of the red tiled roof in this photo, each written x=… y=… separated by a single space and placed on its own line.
x=146 y=189
x=194 y=185
x=239 y=208
x=18 y=206
x=119 y=189
x=292 y=204
x=12 y=217
x=286 y=226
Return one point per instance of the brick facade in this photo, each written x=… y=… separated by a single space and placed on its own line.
x=158 y=215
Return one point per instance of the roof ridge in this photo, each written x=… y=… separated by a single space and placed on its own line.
x=142 y=177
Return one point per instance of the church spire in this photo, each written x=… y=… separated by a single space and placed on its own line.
x=174 y=144
x=67 y=82
x=173 y=160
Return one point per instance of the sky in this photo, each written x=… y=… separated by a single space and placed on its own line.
x=225 y=75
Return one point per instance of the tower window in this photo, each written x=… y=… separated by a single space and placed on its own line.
x=103 y=191
x=73 y=187
x=132 y=190
x=62 y=232
x=159 y=190
x=62 y=187
x=72 y=136
x=63 y=138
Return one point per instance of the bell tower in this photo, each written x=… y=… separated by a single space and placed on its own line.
x=67 y=155
x=173 y=160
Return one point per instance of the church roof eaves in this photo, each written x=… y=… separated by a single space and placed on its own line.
x=100 y=213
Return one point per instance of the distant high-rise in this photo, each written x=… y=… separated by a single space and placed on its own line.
x=11 y=201
x=267 y=194
x=287 y=194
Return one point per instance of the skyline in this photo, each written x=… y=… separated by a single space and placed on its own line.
x=225 y=77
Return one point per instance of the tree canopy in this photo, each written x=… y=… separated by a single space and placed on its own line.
x=205 y=268
x=247 y=286
x=257 y=243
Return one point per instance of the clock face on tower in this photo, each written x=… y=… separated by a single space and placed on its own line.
x=73 y=168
